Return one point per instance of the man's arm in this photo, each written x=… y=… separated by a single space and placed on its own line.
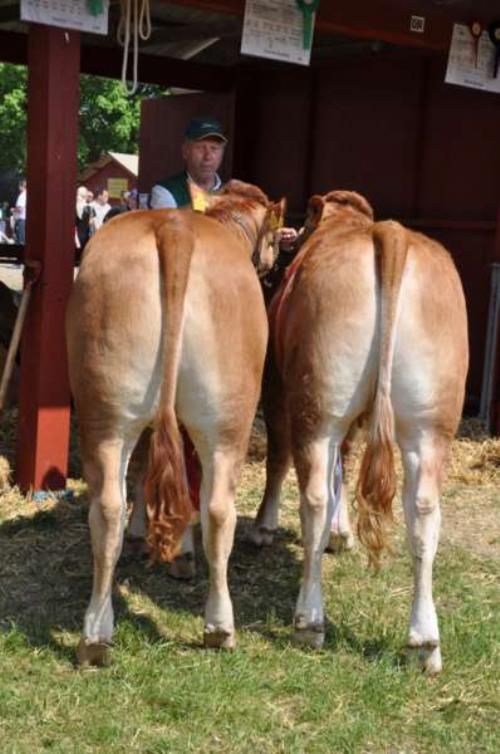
x=161 y=198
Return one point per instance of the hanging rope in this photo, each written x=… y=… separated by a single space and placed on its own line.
x=135 y=23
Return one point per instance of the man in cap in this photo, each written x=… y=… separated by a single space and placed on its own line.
x=202 y=151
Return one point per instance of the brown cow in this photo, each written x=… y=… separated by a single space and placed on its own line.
x=166 y=320
x=370 y=322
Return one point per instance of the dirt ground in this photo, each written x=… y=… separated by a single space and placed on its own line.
x=12 y=275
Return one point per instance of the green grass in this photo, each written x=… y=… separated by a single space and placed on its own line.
x=165 y=693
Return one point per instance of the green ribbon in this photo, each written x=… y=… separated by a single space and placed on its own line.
x=95 y=7
x=308 y=8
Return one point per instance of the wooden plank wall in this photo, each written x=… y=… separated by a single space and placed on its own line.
x=386 y=125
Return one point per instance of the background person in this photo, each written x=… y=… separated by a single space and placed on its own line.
x=128 y=203
x=202 y=150
x=84 y=216
x=132 y=200
x=20 y=214
x=101 y=207
x=4 y=210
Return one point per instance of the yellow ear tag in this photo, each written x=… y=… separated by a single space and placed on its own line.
x=275 y=222
x=199 y=199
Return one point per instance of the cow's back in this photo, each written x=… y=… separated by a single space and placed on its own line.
x=114 y=318
x=330 y=333
x=332 y=327
x=117 y=313
x=431 y=345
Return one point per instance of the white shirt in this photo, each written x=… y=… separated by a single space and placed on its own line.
x=162 y=198
x=21 y=206
x=101 y=210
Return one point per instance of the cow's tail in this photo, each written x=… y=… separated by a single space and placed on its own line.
x=168 y=502
x=376 y=485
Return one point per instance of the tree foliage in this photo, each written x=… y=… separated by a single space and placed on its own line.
x=109 y=118
x=12 y=117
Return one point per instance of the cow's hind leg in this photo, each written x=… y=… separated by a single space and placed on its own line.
x=218 y=520
x=314 y=463
x=277 y=460
x=341 y=537
x=135 y=535
x=105 y=467
x=277 y=465
x=423 y=463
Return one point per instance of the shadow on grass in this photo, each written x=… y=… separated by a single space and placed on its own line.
x=46 y=580
x=46 y=583
x=338 y=636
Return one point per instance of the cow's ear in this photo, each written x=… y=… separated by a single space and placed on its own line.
x=278 y=212
x=315 y=207
x=275 y=216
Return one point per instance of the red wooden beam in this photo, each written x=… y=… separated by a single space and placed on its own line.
x=107 y=61
x=44 y=406
x=164 y=71
x=385 y=20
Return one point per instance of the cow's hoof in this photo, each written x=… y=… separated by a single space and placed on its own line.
x=218 y=638
x=427 y=656
x=93 y=654
x=340 y=542
x=311 y=636
x=260 y=536
x=182 y=567
x=135 y=547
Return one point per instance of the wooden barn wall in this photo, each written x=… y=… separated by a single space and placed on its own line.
x=387 y=126
x=272 y=123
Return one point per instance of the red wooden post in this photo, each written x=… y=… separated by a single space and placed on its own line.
x=44 y=404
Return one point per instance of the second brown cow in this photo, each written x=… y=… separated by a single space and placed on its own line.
x=370 y=323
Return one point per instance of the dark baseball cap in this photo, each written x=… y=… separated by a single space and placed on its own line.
x=204 y=128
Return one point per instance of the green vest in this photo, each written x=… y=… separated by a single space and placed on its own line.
x=178 y=187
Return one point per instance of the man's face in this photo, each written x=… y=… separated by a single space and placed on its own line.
x=203 y=158
x=103 y=197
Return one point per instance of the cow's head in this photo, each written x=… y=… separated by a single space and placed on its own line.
x=340 y=206
x=248 y=206
x=267 y=247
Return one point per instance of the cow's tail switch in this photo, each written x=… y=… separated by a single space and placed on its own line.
x=376 y=485
x=168 y=503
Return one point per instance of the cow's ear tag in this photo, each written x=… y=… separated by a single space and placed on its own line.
x=494 y=34
x=199 y=199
